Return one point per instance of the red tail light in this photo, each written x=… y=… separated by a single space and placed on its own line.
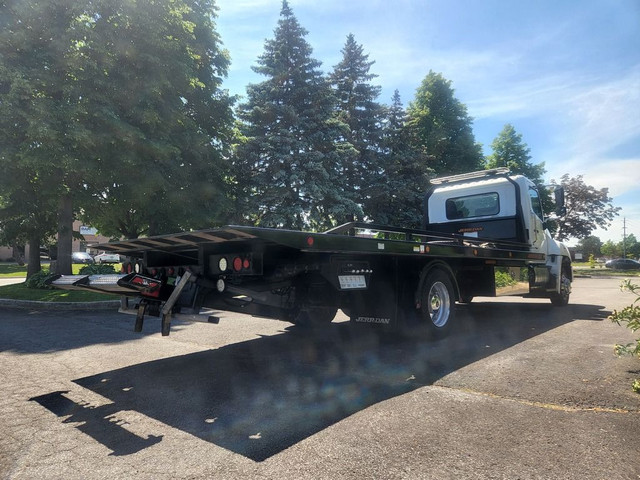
x=237 y=264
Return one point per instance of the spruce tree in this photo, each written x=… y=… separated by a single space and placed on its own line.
x=358 y=108
x=401 y=187
x=286 y=167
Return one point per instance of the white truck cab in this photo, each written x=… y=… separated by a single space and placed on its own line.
x=503 y=209
x=489 y=204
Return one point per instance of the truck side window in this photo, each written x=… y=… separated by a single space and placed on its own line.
x=536 y=206
x=471 y=206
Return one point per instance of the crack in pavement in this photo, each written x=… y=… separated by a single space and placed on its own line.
x=543 y=405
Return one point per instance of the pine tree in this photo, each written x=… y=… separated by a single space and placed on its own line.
x=286 y=167
x=358 y=108
x=442 y=127
x=401 y=187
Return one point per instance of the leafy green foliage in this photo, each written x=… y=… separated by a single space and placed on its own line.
x=629 y=316
x=97 y=269
x=38 y=279
x=113 y=110
x=590 y=245
x=504 y=278
x=160 y=116
x=510 y=151
x=441 y=126
x=42 y=118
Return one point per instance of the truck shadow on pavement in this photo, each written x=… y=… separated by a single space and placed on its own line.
x=259 y=397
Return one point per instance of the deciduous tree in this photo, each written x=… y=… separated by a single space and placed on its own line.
x=587 y=208
x=510 y=151
x=442 y=127
x=121 y=110
x=161 y=118
x=590 y=246
x=45 y=140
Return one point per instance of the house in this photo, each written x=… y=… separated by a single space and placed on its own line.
x=90 y=235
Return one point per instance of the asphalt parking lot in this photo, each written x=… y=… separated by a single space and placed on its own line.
x=520 y=390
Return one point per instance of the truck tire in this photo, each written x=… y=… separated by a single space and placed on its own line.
x=314 y=317
x=561 y=299
x=437 y=303
x=466 y=298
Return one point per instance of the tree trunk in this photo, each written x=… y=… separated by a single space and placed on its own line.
x=33 y=262
x=65 y=235
x=17 y=252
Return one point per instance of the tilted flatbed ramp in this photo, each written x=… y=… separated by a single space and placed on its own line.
x=403 y=242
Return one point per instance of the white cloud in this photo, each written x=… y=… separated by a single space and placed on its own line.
x=607 y=115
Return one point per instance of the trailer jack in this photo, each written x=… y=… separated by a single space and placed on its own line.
x=152 y=308
x=173 y=298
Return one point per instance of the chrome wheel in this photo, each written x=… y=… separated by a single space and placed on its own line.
x=439 y=304
x=437 y=307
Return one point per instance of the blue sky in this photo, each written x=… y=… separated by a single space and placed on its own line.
x=565 y=74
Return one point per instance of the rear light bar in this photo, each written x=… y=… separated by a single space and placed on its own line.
x=238 y=263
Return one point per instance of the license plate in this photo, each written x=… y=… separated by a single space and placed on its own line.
x=350 y=282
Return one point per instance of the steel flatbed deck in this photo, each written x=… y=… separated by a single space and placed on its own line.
x=372 y=239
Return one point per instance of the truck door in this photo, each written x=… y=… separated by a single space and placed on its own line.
x=536 y=228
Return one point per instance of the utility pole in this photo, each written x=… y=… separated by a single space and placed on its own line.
x=624 y=237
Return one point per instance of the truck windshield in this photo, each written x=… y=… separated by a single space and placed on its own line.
x=472 y=206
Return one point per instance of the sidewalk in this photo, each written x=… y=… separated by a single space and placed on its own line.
x=11 y=280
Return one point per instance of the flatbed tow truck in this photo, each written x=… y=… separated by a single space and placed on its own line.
x=390 y=276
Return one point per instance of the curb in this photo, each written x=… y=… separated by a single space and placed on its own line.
x=60 y=306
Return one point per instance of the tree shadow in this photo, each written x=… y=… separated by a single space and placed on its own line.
x=259 y=397
x=39 y=331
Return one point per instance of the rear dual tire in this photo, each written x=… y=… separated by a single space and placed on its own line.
x=313 y=317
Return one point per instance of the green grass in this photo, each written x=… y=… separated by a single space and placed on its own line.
x=19 y=291
x=11 y=270
x=584 y=268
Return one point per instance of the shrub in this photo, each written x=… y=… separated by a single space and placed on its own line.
x=97 y=269
x=504 y=279
x=630 y=317
x=37 y=280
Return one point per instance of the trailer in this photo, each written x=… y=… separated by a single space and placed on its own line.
x=393 y=277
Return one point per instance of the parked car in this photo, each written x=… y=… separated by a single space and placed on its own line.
x=81 y=257
x=105 y=257
x=623 y=264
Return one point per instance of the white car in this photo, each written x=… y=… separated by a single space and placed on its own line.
x=105 y=257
